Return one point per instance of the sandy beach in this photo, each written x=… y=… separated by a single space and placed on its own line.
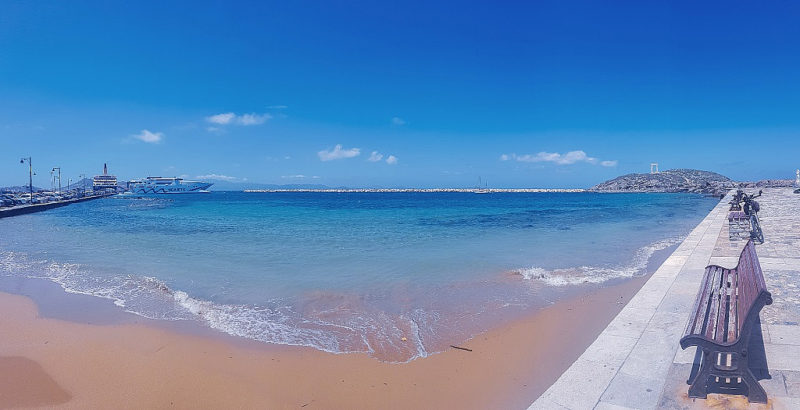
x=46 y=361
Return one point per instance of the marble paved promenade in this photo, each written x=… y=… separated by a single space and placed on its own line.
x=636 y=362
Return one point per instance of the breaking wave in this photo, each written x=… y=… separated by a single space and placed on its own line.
x=594 y=274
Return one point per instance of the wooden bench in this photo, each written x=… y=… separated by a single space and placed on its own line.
x=738 y=225
x=721 y=322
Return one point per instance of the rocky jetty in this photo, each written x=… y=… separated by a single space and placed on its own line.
x=768 y=183
x=674 y=180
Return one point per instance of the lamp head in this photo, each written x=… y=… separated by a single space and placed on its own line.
x=22 y=161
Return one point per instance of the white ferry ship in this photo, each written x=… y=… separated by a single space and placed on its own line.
x=162 y=185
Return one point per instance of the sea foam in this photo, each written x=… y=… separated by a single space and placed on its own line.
x=335 y=330
x=594 y=274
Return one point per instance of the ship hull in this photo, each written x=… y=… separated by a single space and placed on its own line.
x=192 y=188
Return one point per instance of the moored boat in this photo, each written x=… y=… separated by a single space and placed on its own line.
x=167 y=185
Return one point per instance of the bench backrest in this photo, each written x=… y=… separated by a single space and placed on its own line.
x=727 y=297
x=751 y=282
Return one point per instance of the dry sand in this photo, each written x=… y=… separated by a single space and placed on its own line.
x=48 y=362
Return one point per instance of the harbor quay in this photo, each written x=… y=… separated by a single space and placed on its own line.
x=32 y=199
x=28 y=208
x=637 y=362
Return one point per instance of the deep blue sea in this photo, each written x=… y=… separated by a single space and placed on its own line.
x=346 y=272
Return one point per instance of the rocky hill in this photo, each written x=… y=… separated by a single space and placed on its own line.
x=674 y=180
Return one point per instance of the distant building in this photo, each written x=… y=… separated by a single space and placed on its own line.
x=104 y=183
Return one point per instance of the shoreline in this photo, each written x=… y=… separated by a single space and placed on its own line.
x=159 y=365
x=55 y=301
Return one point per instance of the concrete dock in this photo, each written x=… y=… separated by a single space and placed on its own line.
x=637 y=363
x=28 y=209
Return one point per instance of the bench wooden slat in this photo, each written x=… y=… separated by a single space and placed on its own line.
x=703 y=316
x=723 y=307
x=723 y=325
x=733 y=317
x=700 y=305
x=713 y=312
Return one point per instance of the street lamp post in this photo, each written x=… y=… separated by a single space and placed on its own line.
x=59 y=178
x=30 y=174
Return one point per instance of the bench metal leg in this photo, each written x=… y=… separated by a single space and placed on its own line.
x=700 y=383
x=699 y=387
x=755 y=393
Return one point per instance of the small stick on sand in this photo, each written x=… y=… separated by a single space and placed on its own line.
x=460 y=348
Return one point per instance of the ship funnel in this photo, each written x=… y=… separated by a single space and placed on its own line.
x=105 y=169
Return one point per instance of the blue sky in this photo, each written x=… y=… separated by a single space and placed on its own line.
x=544 y=94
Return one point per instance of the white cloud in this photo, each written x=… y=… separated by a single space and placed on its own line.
x=338 y=153
x=230 y=118
x=375 y=156
x=253 y=119
x=217 y=177
x=398 y=121
x=391 y=160
x=277 y=107
x=221 y=119
x=568 y=158
x=149 y=137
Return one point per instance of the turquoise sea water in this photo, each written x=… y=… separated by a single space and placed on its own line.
x=345 y=272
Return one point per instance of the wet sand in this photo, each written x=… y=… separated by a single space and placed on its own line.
x=141 y=365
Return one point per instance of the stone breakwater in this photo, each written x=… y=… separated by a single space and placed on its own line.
x=674 y=180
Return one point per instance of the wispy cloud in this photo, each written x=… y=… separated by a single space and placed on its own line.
x=300 y=176
x=375 y=156
x=568 y=158
x=229 y=118
x=277 y=107
x=392 y=160
x=149 y=137
x=560 y=159
x=253 y=119
x=338 y=153
x=398 y=121
x=218 y=177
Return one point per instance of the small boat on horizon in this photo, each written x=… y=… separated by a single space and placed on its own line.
x=482 y=189
x=167 y=185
